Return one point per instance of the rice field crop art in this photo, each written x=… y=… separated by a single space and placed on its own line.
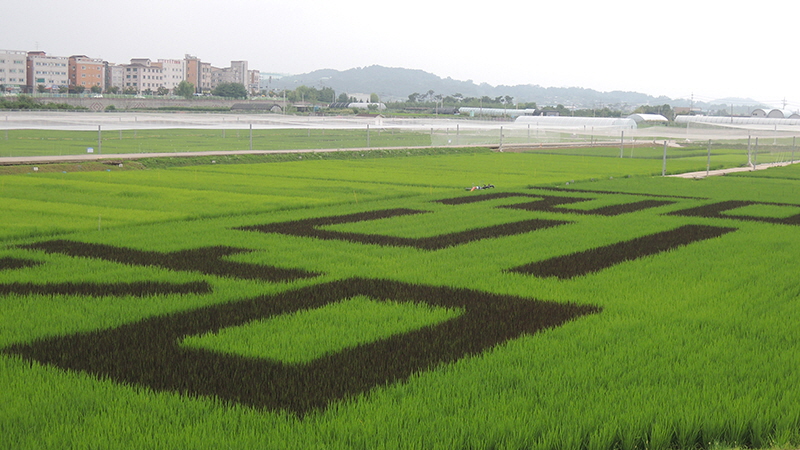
x=617 y=314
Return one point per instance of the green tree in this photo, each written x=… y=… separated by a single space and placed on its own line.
x=230 y=90
x=96 y=89
x=326 y=94
x=76 y=89
x=185 y=89
x=373 y=98
x=602 y=112
x=112 y=90
x=306 y=94
x=343 y=98
x=162 y=90
x=40 y=89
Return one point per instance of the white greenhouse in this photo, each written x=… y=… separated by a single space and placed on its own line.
x=736 y=121
x=577 y=123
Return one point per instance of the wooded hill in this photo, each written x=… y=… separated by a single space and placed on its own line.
x=396 y=84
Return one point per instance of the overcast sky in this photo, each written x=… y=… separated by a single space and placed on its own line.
x=706 y=48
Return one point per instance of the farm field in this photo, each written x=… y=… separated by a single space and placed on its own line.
x=63 y=142
x=374 y=302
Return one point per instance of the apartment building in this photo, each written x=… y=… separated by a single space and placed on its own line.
x=13 y=70
x=198 y=73
x=50 y=72
x=253 y=81
x=192 y=64
x=205 y=77
x=36 y=70
x=221 y=75
x=115 y=76
x=236 y=73
x=86 y=72
x=141 y=75
x=240 y=69
x=174 y=71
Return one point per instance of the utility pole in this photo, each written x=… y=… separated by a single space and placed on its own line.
x=749 y=158
x=755 y=154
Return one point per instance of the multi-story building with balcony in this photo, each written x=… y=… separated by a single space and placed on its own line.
x=192 y=64
x=205 y=77
x=253 y=81
x=141 y=75
x=240 y=69
x=86 y=72
x=221 y=75
x=115 y=76
x=13 y=70
x=49 y=73
x=174 y=71
x=198 y=73
x=236 y=73
x=36 y=71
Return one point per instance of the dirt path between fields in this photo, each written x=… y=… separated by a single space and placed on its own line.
x=711 y=173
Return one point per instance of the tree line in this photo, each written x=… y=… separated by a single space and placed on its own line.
x=23 y=101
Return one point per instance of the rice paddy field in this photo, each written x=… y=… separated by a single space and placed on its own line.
x=23 y=142
x=583 y=302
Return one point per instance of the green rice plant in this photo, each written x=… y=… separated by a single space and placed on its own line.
x=765 y=210
x=57 y=142
x=101 y=197
x=27 y=217
x=691 y=347
x=307 y=335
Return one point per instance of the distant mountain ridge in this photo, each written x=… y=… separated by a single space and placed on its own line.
x=396 y=84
